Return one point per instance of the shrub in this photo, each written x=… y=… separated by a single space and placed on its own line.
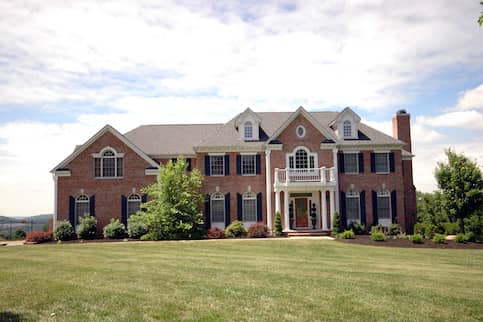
x=38 y=236
x=235 y=229
x=19 y=234
x=378 y=236
x=136 y=226
x=439 y=238
x=425 y=229
x=258 y=231
x=461 y=238
x=64 y=231
x=348 y=234
x=357 y=228
x=216 y=233
x=114 y=230
x=336 y=225
x=376 y=228
x=416 y=238
x=87 y=228
x=450 y=228
x=149 y=236
x=470 y=236
x=278 y=224
x=393 y=230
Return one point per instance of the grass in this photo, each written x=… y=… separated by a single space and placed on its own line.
x=274 y=280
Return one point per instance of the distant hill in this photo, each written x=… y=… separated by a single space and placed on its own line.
x=37 y=219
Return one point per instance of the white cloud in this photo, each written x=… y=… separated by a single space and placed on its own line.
x=471 y=99
x=464 y=119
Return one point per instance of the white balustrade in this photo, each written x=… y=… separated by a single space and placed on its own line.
x=323 y=175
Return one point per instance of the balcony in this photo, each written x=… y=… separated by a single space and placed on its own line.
x=305 y=177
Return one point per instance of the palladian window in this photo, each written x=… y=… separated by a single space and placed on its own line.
x=108 y=164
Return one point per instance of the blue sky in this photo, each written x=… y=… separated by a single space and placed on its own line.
x=68 y=68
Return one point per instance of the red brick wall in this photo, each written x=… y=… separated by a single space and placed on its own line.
x=107 y=191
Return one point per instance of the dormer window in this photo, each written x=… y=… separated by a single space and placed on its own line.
x=347 y=129
x=248 y=130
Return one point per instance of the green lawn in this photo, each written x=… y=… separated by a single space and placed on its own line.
x=277 y=280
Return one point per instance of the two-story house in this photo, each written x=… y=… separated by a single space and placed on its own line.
x=305 y=165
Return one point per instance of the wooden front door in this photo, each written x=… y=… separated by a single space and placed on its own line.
x=301 y=212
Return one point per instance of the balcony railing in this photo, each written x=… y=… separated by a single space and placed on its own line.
x=323 y=175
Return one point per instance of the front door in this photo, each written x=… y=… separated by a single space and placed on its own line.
x=301 y=213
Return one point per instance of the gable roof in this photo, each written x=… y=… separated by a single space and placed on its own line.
x=344 y=112
x=94 y=138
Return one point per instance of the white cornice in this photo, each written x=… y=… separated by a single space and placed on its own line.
x=208 y=149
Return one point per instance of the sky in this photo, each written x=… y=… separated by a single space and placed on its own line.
x=67 y=68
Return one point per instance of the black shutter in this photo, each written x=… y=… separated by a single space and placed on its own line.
x=144 y=199
x=227 y=165
x=92 y=206
x=375 y=220
x=259 y=207
x=361 y=162
x=341 y=163
x=124 y=210
x=239 y=207
x=208 y=212
x=207 y=165
x=238 y=164
x=373 y=162
x=72 y=211
x=227 y=209
x=343 y=217
x=258 y=167
x=391 y=162
x=394 y=207
x=362 y=204
x=188 y=162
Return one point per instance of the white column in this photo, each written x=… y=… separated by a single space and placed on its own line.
x=336 y=177
x=286 y=211
x=332 y=208
x=324 y=210
x=268 y=183
x=277 y=201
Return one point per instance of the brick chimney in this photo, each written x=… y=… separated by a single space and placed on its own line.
x=401 y=128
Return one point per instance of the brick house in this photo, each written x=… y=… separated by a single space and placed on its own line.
x=305 y=165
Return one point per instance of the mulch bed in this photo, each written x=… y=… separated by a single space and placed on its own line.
x=404 y=242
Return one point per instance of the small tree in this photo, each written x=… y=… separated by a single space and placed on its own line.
x=173 y=209
x=278 y=224
x=336 y=223
x=461 y=184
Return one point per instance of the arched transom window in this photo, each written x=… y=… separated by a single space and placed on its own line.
x=249 y=207
x=82 y=208
x=248 y=130
x=347 y=129
x=108 y=164
x=217 y=208
x=133 y=204
x=302 y=159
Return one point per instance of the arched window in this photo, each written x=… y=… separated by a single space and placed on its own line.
x=217 y=208
x=133 y=204
x=384 y=207
x=302 y=159
x=248 y=130
x=81 y=208
x=108 y=164
x=249 y=207
x=347 y=129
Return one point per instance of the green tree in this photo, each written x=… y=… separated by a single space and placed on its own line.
x=278 y=224
x=480 y=20
x=461 y=185
x=173 y=209
x=430 y=208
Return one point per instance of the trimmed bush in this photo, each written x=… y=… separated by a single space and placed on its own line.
x=348 y=234
x=393 y=230
x=257 y=230
x=450 y=228
x=336 y=225
x=376 y=228
x=148 y=236
x=378 y=236
x=216 y=233
x=136 y=226
x=39 y=236
x=87 y=227
x=357 y=228
x=114 y=230
x=278 y=225
x=64 y=231
x=439 y=238
x=425 y=229
x=235 y=229
x=461 y=238
x=416 y=238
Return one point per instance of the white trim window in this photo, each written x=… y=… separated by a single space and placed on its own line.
x=249 y=207
x=381 y=162
x=351 y=163
x=248 y=130
x=300 y=131
x=347 y=129
x=248 y=165
x=82 y=208
x=384 y=207
x=352 y=202
x=218 y=210
x=217 y=165
x=108 y=164
x=302 y=158
x=133 y=204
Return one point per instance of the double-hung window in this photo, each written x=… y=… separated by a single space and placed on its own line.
x=133 y=204
x=384 y=207
x=217 y=164
x=352 y=207
x=249 y=207
x=351 y=163
x=248 y=166
x=381 y=161
x=82 y=208
x=217 y=208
